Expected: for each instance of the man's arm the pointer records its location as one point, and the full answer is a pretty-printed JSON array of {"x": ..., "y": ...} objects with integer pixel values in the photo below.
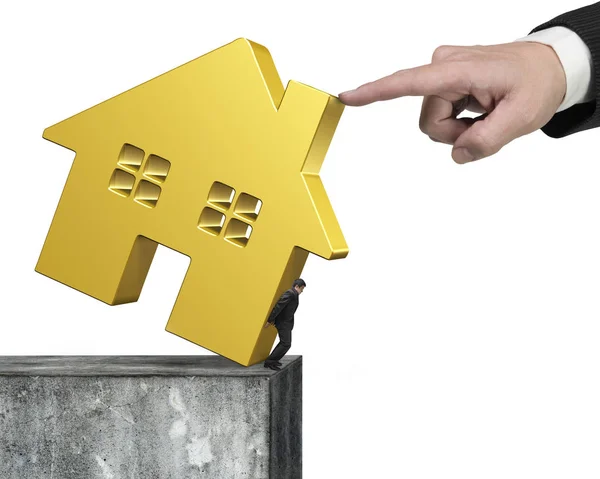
[
  {"x": 517, "y": 87},
  {"x": 585, "y": 22},
  {"x": 285, "y": 299}
]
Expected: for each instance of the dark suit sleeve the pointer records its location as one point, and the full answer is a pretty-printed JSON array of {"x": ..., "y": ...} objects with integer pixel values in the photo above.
[
  {"x": 585, "y": 22},
  {"x": 285, "y": 299}
]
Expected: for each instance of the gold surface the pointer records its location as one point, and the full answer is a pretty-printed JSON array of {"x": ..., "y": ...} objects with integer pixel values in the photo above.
[{"x": 213, "y": 159}]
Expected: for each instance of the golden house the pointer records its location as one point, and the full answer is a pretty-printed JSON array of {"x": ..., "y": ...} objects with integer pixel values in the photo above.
[{"x": 213, "y": 159}]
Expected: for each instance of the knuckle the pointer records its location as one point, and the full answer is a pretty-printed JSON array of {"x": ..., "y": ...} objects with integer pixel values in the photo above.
[
  {"x": 442, "y": 52},
  {"x": 425, "y": 126},
  {"x": 485, "y": 145}
]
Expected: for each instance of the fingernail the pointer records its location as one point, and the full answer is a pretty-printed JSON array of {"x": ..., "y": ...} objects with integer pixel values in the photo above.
[
  {"x": 462, "y": 155},
  {"x": 344, "y": 92}
]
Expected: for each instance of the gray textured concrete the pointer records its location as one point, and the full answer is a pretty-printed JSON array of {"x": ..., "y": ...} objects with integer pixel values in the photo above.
[{"x": 149, "y": 417}]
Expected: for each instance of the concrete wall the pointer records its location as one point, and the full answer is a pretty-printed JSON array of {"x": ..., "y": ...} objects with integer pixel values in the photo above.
[{"x": 149, "y": 417}]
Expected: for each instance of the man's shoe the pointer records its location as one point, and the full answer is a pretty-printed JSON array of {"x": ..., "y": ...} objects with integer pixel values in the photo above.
[
  {"x": 272, "y": 366},
  {"x": 279, "y": 363}
]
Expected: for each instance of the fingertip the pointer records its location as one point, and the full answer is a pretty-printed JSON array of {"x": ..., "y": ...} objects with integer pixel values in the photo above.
[
  {"x": 462, "y": 156},
  {"x": 346, "y": 97}
]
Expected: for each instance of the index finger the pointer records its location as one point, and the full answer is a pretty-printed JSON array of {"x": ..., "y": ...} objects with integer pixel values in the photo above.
[{"x": 424, "y": 80}]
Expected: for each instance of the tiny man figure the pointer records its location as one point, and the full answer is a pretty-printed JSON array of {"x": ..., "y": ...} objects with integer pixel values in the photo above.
[{"x": 282, "y": 317}]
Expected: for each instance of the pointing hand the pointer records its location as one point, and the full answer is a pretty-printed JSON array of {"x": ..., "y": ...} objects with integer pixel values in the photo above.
[{"x": 516, "y": 86}]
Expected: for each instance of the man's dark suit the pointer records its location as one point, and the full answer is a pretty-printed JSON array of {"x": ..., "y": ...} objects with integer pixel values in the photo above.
[
  {"x": 585, "y": 22},
  {"x": 283, "y": 318}
]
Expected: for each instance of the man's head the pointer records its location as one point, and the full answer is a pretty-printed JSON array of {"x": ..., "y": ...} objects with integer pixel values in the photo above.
[{"x": 299, "y": 285}]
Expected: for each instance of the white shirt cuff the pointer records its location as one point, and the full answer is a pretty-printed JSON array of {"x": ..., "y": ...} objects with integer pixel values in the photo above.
[{"x": 576, "y": 60}]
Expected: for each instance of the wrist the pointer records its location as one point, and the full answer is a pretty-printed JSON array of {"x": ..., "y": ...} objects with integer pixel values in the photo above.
[
  {"x": 543, "y": 58},
  {"x": 555, "y": 65},
  {"x": 576, "y": 61}
]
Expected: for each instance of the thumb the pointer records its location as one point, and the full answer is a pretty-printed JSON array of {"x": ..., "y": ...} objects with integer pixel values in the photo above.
[{"x": 487, "y": 136}]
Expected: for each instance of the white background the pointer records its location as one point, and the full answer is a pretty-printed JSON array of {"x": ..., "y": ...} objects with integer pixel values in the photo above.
[{"x": 459, "y": 338}]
